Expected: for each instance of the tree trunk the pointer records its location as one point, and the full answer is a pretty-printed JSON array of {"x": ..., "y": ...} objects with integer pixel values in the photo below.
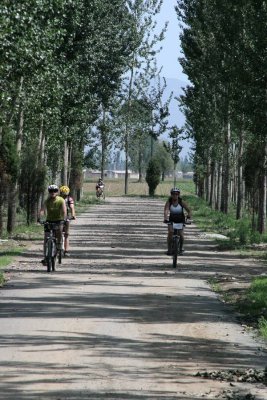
[
  {"x": 225, "y": 171},
  {"x": 211, "y": 196},
  {"x": 65, "y": 169},
  {"x": 240, "y": 186},
  {"x": 262, "y": 196},
  {"x": 126, "y": 136},
  {"x": 13, "y": 189},
  {"x": 219, "y": 186},
  {"x": 103, "y": 144},
  {"x": 140, "y": 162}
]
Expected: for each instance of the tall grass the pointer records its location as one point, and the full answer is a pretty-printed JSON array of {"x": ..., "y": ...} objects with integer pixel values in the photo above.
[
  {"x": 254, "y": 304},
  {"x": 6, "y": 257},
  {"x": 115, "y": 187}
]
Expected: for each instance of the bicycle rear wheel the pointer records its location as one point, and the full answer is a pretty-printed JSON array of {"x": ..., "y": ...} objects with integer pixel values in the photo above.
[{"x": 175, "y": 251}]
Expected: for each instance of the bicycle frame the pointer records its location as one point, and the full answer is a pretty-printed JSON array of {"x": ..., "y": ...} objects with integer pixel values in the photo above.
[
  {"x": 100, "y": 192},
  {"x": 176, "y": 241},
  {"x": 52, "y": 249}
]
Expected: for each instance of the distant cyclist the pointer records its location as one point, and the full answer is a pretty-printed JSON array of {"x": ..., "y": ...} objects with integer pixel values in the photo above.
[
  {"x": 99, "y": 187},
  {"x": 174, "y": 212},
  {"x": 54, "y": 209},
  {"x": 65, "y": 193}
]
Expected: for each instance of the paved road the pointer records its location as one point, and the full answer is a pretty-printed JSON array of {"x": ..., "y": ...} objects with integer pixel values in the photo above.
[{"x": 116, "y": 321}]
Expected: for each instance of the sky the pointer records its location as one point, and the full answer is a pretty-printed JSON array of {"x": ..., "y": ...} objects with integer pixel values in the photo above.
[
  {"x": 168, "y": 57},
  {"x": 171, "y": 69}
]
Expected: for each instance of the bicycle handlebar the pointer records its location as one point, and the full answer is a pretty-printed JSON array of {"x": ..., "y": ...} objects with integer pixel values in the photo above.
[
  {"x": 186, "y": 222},
  {"x": 63, "y": 222}
]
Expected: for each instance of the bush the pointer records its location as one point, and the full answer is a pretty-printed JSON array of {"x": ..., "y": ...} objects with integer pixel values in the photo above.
[{"x": 153, "y": 176}]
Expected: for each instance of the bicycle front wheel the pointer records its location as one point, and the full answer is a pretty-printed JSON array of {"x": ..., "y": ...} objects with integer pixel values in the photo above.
[
  {"x": 49, "y": 255},
  {"x": 54, "y": 256},
  {"x": 59, "y": 252},
  {"x": 175, "y": 251}
]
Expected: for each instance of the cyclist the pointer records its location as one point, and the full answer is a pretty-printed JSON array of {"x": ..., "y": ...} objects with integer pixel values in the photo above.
[
  {"x": 54, "y": 209},
  {"x": 174, "y": 212},
  {"x": 99, "y": 187},
  {"x": 65, "y": 193}
]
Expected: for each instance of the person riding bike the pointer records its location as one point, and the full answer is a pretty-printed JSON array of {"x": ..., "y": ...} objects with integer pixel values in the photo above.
[
  {"x": 174, "y": 212},
  {"x": 54, "y": 209},
  {"x": 65, "y": 193},
  {"x": 99, "y": 187}
]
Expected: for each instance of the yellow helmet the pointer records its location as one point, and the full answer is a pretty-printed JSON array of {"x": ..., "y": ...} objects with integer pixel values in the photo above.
[{"x": 64, "y": 190}]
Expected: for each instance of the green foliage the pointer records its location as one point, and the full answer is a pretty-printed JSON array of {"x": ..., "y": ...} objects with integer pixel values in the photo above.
[
  {"x": 263, "y": 327},
  {"x": 185, "y": 165},
  {"x": 153, "y": 176},
  {"x": 6, "y": 256},
  {"x": 9, "y": 157},
  {"x": 257, "y": 294},
  {"x": 92, "y": 158},
  {"x": 225, "y": 102},
  {"x": 254, "y": 304},
  {"x": 164, "y": 159}
]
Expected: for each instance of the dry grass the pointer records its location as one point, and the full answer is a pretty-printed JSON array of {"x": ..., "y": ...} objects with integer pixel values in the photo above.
[{"x": 115, "y": 187}]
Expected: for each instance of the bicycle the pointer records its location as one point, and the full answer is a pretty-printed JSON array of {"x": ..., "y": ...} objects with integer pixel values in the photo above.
[
  {"x": 100, "y": 194},
  {"x": 53, "y": 249},
  {"x": 176, "y": 239}
]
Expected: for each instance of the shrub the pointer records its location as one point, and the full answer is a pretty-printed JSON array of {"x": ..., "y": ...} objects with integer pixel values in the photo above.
[{"x": 153, "y": 176}]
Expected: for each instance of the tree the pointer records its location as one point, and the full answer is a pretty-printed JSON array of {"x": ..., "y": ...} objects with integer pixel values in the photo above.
[
  {"x": 153, "y": 176},
  {"x": 174, "y": 148},
  {"x": 141, "y": 63},
  {"x": 164, "y": 159}
]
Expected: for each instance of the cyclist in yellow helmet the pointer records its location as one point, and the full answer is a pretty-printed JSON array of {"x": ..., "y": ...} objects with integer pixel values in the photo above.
[
  {"x": 54, "y": 209},
  {"x": 65, "y": 193}
]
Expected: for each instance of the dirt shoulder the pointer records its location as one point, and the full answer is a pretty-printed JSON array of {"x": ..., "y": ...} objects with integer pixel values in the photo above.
[{"x": 116, "y": 321}]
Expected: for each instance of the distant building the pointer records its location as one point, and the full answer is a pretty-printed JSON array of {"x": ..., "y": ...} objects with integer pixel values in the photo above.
[
  {"x": 112, "y": 174},
  {"x": 179, "y": 174},
  {"x": 188, "y": 175},
  {"x": 116, "y": 173}
]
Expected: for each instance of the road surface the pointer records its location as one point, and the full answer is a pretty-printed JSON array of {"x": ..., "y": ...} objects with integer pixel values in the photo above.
[{"x": 116, "y": 321}]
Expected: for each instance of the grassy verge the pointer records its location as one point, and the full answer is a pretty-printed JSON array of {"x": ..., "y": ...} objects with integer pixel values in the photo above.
[
  {"x": 254, "y": 304},
  {"x": 251, "y": 303},
  {"x": 6, "y": 256}
]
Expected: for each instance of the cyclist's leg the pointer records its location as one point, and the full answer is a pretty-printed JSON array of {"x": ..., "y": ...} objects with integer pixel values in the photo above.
[
  {"x": 169, "y": 239},
  {"x": 66, "y": 236},
  {"x": 181, "y": 234},
  {"x": 59, "y": 235}
]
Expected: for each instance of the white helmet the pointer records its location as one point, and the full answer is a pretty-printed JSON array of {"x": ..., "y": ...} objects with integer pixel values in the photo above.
[
  {"x": 175, "y": 190},
  {"x": 52, "y": 188}
]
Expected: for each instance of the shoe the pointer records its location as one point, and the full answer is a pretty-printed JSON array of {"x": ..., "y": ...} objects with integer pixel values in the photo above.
[
  {"x": 169, "y": 253},
  {"x": 66, "y": 254},
  {"x": 44, "y": 261},
  {"x": 181, "y": 252}
]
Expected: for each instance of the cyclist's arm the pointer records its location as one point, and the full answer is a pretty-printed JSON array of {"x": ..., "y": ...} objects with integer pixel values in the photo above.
[
  {"x": 72, "y": 209},
  {"x": 64, "y": 209},
  {"x": 166, "y": 210},
  {"x": 42, "y": 212},
  {"x": 188, "y": 210}
]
